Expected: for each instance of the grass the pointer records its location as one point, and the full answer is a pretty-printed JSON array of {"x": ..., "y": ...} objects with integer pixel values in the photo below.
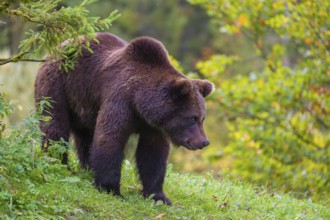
[
  {"x": 34, "y": 185},
  {"x": 72, "y": 196}
]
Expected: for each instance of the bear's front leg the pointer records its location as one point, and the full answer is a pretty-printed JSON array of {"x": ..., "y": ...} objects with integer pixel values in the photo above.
[
  {"x": 151, "y": 156},
  {"x": 106, "y": 164},
  {"x": 107, "y": 151}
]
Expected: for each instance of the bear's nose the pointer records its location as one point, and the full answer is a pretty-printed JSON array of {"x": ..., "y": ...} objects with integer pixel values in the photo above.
[{"x": 205, "y": 143}]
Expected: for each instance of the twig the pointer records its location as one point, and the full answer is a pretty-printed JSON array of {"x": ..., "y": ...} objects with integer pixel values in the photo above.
[
  {"x": 12, "y": 60},
  {"x": 29, "y": 19}
]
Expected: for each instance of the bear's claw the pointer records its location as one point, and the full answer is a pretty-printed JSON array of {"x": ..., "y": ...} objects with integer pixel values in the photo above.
[{"x": 160, "y": 197}]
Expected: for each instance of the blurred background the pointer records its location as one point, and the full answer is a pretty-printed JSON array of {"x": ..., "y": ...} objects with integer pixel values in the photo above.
[{"x": 268, "y": 121}]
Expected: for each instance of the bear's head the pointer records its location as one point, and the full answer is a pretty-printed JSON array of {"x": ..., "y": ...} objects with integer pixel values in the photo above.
[
  {"x": 186, "y": 113},
  {"x": 166, "y": 99},
  {"x": 177, "y": 108}
]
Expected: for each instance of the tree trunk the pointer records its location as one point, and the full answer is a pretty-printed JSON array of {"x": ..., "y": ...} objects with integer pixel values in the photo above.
[{"x": 15, "y": 32}]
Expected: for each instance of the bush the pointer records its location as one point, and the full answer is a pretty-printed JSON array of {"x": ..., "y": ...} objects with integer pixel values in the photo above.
[{"x": 22, "y": 164}]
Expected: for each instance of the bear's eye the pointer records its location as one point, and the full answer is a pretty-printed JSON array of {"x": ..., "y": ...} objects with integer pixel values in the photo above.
[{"x": 194, "y": 119}]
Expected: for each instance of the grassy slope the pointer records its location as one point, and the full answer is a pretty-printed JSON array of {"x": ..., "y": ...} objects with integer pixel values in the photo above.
[{"x": 54, "y": 192}]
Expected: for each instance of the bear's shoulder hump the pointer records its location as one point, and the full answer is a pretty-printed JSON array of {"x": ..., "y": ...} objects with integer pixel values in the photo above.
[{"x": 147, "y": 50}]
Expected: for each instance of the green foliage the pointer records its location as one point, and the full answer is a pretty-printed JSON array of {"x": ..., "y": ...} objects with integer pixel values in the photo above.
[
  {"x": 278, "y": 116},
  {"x": 54, "y": 25},
  {"x": 5, "y": 109},
  {"x": 215, "y": 66},
  {"x": 34, "y": 185}
]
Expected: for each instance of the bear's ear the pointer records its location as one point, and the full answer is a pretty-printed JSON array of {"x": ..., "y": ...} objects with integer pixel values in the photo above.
[
  {"x": 204, "y": 86},
  {"x": 179, "y": 88},
  {"x": 147, "y": 50}
]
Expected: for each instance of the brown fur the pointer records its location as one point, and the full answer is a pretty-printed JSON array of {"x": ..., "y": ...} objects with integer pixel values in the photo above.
[{"x": 120, "y": 89}]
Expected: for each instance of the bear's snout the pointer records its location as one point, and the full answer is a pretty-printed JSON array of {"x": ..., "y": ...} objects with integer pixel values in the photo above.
[
  {"x": 203, "y": 144},
  {"x": 206, "y": 143},
  {"x": 196, "y": 145}
]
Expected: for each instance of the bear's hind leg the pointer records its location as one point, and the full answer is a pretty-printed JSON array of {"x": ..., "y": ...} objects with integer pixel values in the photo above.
[
  {"x": 49, "y": 84},
  {"x": 151, "y": 157},
  {"x": 83, "y": 139},
  {"x": 59, "y": 125},
  {"x": 55, "y": 129}
]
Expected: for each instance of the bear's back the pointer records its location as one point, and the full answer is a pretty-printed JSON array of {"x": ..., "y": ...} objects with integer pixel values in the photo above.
[
  {"x": 106, "y": 42},
  {"x": 109, "y": 41}
]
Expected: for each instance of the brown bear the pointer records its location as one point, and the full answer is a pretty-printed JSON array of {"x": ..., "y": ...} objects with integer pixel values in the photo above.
[{"x": 120, "y": 89}]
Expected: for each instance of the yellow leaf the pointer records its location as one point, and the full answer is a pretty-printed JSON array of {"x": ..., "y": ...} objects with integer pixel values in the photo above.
[
  {"x": 246, "y": 137},
  {"x": 275, "y": 5},
  {"x": 252, "y": 144},
  {"x": 308, "y": 41},
  {"x": 242, "y": 21},
  {"x": 160, "y": 216},
  {"x": 276, "y": 105},
  {"x": 237, "y": 134},
  {"x": 47, "y": 118}
]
